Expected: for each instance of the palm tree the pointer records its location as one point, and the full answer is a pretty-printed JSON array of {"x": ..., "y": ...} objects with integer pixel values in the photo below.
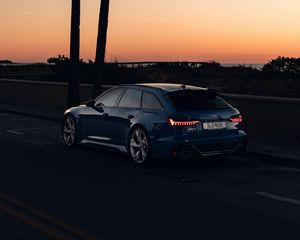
[
  {"x": 73, "y": 87},
  {"x": 101, "y": 47}
]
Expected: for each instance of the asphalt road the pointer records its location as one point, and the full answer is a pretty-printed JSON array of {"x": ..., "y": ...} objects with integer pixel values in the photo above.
[{"x": 48, "y": 191}]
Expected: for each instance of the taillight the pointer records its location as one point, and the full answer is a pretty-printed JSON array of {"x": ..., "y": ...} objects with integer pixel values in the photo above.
[
  {"x": 236, "y": 119},
  {"x": 182, "y": 123}
]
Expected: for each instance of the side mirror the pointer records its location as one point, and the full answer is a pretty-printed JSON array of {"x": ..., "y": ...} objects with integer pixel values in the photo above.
[{"x": 90, "y": 103}]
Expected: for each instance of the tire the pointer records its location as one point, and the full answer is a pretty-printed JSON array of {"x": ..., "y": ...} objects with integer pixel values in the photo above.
[
  {"x": 70, "y": 131},
  {"x": 139, "y": 147}
]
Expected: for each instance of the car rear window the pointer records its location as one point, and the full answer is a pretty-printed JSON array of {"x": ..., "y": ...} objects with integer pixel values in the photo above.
[
  {"x": 150, "y": 102},
  {"x": 189, "y": 100},
  {"x": 131, "y": 99}
]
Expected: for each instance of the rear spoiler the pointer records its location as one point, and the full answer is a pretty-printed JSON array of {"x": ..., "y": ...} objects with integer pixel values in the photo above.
[{"x": 211, "y": 91}]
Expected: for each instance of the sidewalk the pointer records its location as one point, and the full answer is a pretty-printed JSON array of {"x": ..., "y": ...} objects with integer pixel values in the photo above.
[{"x": 283, "y": 153}]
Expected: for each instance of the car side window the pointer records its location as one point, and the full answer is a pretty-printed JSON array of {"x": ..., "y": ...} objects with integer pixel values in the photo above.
[
  {"x": 110, "y": 98},
  {"x": 131, "y": 98},
  {"x": 151, "y": 102}
]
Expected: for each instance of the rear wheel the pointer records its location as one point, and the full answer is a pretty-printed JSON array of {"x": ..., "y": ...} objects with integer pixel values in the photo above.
[
  {"x": 139, "y": 146},
  {"x": 69, "y": 131}
]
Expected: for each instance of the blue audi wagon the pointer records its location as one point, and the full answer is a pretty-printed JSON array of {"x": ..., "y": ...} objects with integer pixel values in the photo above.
[{"x": 157, "y": 120}]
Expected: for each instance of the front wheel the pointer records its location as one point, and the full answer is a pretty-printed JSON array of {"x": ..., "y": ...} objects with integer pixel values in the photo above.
[
  {"x": 69, "y": 131},
  {"x": 139, "y": 146}
]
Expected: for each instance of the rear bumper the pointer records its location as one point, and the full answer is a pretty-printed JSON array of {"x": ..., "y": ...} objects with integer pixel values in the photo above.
[
  {"x": 201, "y": 147},
  {"x": 192, "y": 150}
]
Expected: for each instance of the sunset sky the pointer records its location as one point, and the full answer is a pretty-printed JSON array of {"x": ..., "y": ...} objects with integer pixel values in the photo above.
[{"x": 228, "y": 31}]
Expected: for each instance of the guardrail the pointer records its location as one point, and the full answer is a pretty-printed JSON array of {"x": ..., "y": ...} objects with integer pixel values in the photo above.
[{"x": 273, "y": 118}]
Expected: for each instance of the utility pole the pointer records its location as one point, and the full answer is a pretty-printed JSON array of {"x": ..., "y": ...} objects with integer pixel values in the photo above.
[
  {"x": 73, "y": 87},
  {"x": 101, "y": 47}
]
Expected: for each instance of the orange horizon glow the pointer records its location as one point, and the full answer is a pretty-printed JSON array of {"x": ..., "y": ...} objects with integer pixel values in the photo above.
[{"x": 231, "y": 31}]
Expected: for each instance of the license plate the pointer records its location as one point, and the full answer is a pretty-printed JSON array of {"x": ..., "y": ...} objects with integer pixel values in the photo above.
[{"x": 214, "y": 125}]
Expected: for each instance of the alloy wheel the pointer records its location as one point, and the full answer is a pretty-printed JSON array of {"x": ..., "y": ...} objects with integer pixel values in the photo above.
[
  {"x": 139, "y": 146},
  {"x": 69, "y": 131}
]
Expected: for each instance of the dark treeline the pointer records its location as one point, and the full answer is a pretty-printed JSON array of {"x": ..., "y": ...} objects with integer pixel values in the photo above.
[{"x": 279, "y": 77}]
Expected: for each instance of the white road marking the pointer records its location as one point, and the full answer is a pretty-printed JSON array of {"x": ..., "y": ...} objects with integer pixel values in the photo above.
[
  {"x": 15, "y": 119},
  {"x": 276, "y": 169},
  {"x": 15, "y": 132},
  {"x": 279, "y": 198},
  {"x": 18, "y": 131},
  {"x": 36, "y": 128},
  {"x": 38, "y": 142}
]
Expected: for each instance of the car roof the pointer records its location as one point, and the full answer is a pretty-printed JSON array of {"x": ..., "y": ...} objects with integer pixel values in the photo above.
[{"x": 165, "y": 87}]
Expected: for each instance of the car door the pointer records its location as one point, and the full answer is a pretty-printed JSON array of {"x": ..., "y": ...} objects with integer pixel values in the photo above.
[
  {"x": 124, "y": 115},
  {"x": 96, "y": 122}
]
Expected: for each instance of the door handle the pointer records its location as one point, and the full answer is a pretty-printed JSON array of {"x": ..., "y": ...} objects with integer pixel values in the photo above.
[
  {"x": 130, "y": 117},
  {"x": 105, "y": 114}
]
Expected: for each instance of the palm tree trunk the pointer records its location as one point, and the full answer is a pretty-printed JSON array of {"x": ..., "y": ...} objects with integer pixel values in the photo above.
[
  {"x": 73, "y": 87},
  {"x": 101, "y": 47}
]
